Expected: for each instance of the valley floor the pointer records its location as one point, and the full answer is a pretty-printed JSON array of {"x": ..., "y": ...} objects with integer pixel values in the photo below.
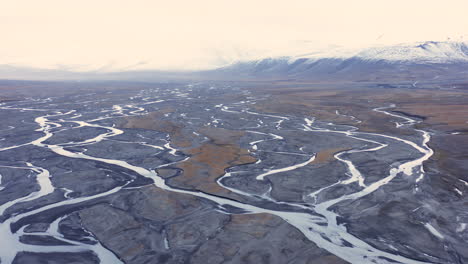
[{"x": 233, "y": 172}]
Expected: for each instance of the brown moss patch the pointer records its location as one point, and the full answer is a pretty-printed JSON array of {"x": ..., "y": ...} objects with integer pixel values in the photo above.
[
  {"x": 155, "y": 121},
  {"x": 262, "y": 223},
  {"x": 326, "y": 155},
  {"x": 262, "y": 218},
  {"x": 209, "y": 161}
]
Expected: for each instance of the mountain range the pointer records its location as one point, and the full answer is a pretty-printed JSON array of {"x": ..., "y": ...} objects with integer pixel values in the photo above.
[{"x": 428, "y": 61}]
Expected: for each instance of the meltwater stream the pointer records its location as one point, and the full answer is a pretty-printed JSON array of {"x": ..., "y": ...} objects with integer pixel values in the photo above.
[{"x": 317, "y": 221}]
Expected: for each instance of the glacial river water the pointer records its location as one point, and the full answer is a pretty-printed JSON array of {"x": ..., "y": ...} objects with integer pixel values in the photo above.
[{"x": 316, "y": 220}]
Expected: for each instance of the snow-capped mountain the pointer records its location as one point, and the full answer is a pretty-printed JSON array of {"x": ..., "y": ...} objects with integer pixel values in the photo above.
[
  {"x": 428, "y": 52},
  {"x": 420, "y": 60},
  {"x": 409, "y": 62}
]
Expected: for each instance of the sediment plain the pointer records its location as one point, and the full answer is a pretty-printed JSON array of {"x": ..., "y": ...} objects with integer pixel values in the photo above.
[{"x": 233, "y": 172}]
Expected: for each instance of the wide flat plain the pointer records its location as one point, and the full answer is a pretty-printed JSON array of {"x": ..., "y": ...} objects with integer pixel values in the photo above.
[{"x": 233, "y": 172}]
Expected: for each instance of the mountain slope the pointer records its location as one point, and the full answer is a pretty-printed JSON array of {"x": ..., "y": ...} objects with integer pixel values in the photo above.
[
  {"x": 428, "y": 52},
  {"x": 429, "y": 60}
]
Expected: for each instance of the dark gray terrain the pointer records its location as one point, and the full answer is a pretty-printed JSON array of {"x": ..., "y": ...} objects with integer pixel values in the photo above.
[{"x": 199, "y": 173}]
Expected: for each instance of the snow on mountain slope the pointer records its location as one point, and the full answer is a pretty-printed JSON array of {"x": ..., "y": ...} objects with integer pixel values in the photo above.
[
  {"x": 420, "y": 60},
  {"x": 426, "y": 60},
  {"x": 428, "y": 52},
  {"x": 425, "y": 52},
  {"x": 419, "y": 53}
]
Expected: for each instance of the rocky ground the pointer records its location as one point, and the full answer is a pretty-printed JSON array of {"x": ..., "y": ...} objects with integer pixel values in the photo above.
[{"x": 271, "y": 172}]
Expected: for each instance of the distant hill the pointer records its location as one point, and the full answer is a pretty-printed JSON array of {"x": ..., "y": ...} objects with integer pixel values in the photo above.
[
  {"x": 422, "y": 61},
  {"x": 419, "y": 62}
]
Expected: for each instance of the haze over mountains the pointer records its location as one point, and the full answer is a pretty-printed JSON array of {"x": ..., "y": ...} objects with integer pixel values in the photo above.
[{"x": 427, "y": 61}]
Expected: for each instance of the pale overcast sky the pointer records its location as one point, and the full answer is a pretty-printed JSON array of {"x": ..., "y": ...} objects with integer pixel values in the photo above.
[{"x": 144, "y": 34}]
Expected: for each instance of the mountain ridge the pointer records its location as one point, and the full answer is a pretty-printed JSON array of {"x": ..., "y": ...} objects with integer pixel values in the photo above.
[
  {"x": 416, "y": 61},
  {"x": 424, "y": 60}
]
